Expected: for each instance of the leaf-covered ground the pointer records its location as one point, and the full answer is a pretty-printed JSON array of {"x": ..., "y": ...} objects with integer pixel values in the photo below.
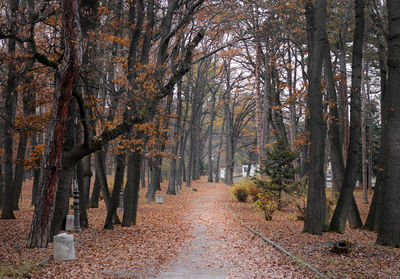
[
  {"x": 192, "y": 235},
  {"x": 367, "y": 260}
]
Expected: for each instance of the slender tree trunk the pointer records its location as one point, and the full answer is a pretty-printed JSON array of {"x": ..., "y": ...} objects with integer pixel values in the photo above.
[
  {"x": 292, "y": 105},
  {"x": 375, "y": 212},
  {"x": 338, "y": 169},
  {"x": 333, "y": 131},
  {"x": 260, "y": 137},
  {"x": 102, "y": 175},
  {"x": 36, "y": 174},
  {"x": 346, "y": 193},
  {"x": 210, "y": 137},
  {"x": 389, "y": 229},
  {"x": 143, "y": 173},
  {"x": 221, "y": 137},
  {"x": 172, "y": 173},
  {"x": 29, "y": 109},
  {"x": 364, "y": 161},
  {"x": 65, "y": 80},
  {"x": 84, "y": 222},
  {"x": 118, "y": 182}
]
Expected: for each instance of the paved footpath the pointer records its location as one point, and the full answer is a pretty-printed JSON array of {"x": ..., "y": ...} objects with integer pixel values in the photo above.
[{"x": 222, "y": 248}]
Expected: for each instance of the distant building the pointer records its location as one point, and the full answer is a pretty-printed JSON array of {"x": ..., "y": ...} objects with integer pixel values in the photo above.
[{"x": 253, "y": 170}]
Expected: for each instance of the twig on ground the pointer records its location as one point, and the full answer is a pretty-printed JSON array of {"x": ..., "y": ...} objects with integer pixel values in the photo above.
[{"x": 279, "y": 248}]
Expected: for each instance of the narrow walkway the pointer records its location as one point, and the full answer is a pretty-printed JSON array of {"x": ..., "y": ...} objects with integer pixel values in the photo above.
[
  {"x": 195, "y": 261},
  {"x": 222, "y": 248}
]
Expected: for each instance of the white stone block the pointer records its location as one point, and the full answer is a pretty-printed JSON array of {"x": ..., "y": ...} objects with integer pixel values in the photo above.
[
  {"x": 69, "y": 224},
  {"x": 159, "y": 199},
  {"x": 64, "y": 249}
]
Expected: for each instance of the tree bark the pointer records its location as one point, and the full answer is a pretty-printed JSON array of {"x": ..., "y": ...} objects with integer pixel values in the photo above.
[
  {"x": 338, "y": 169},
  {"x": 118, "y": 182},
  {"x": 364, "y": 161},
  {"x": 389, "y": 229},
  {"x": 210, "y": 135},
  {"x": 316, "y": 199},
  {"x": 65, "y": 80},
  {"x": 375, "y": 211},
  {"x": 342, "y": 209},
  {"x": 10, "y": 107},
  {"x": 132, "y": 187},
  {"x": 172, "y": 173},
  {"x": 66, "y": 176}
]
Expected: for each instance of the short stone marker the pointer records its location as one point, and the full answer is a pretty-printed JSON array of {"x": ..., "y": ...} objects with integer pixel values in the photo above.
[
  {"x": 159, "y": 199},
  {"x": 69, "y": 224},
  {"x": 64, "y": 249}
]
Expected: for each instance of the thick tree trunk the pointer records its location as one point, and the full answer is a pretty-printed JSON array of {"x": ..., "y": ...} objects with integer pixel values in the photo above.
[
  {"x": 316, "y": 199},
  {"x": 346, "y": 193},
  {"x": 66, "y": 177},
  {"x": 10, "y": 95},
  {"x": 131, "y": 194},
  {"x": 65, "y": 80},
  {"x": 389, "y": 229}
]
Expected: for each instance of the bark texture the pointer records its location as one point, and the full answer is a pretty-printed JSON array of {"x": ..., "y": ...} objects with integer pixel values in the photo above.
[
  {"x": 353, "y": 157},
  {"x": 65, "y": 80},
  {"x": 316, "y": 201},
  {"x": 389, "y": 229}
]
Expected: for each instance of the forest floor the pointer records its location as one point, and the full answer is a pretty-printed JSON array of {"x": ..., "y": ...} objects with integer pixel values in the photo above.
[{"x": 194, "y": 235}]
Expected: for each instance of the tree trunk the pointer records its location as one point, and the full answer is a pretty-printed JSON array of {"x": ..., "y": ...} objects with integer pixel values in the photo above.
[
  {"x": 65, "y": 80},
  {"x": 389, "y": 229},
  {"x": 210, "y": 136},
  {"x": 36, "y": 174},
  {"x": 118, "y": 182},
  {"x": 260, "y": 137},
  {"x": 373, "y": 219},
  {"x": 66, "y": 177},
  {"x": 131, "y": 194},
  {"x": 221, "y": 137},
  {"x": 172, "y": 173},
  {"x": 19, "y": 169},
  {"x": 333, "y": 131},
  {"x": 29, "y": 109},
  {"x": 346, "y": 193},
  {"x": 84, "y": 222},
  {"x": 316, "y": 200},
  {"x": 364, "y": 161},
  {"x": 10, "y": 96}
]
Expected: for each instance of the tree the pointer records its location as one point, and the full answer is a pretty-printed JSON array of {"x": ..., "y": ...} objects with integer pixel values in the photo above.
[
  {"x": 278, "y": 168},
  {"x": 389, "y": 229},
  {"x": 353, "y": 158},
  {"x": 316, "y": 199},
  {"x": 65, "y": 80}
]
